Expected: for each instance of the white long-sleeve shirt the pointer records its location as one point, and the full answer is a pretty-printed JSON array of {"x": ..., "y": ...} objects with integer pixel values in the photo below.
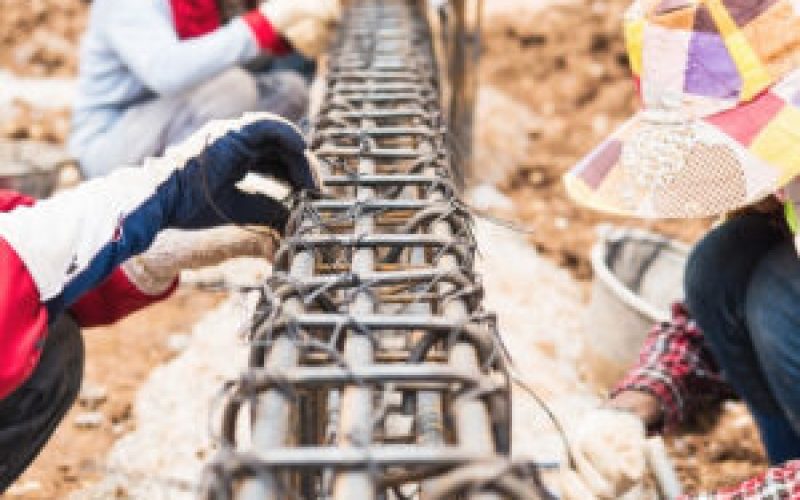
[{"x": 133, "y": 52}]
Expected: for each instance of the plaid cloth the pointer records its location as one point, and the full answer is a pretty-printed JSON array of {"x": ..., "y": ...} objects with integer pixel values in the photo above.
[
  {"x": 777, "y": 483},
  {"x": 677, "y": 368}
]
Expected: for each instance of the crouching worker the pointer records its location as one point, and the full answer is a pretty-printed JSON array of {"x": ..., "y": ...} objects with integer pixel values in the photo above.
[
  {"x": 154, "y": 71},
  {"x": 720, "y": 130},
  {"x": 99, "y": 252}
]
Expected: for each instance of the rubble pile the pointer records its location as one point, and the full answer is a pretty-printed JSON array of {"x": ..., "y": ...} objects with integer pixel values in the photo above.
[
  {"x": 23, "y": 121},
  {"x": 40, "y": 37}
]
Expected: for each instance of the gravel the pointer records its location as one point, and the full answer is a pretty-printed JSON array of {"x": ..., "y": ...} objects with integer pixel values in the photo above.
[
  {"x": 52, "y": 93},
  {"x": 536, "y": 303},
  {"x": 163, "y": 457}
]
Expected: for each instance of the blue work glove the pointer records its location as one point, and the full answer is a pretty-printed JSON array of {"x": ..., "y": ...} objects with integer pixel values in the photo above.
[{"x": 273, "y": 147}]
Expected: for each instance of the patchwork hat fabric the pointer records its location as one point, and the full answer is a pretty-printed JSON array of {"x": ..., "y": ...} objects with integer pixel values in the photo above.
[{"x": 720, "y": 125}]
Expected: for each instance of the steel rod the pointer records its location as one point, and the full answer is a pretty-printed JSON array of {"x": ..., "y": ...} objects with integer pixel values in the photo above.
[{"x": 373, "y": 368}]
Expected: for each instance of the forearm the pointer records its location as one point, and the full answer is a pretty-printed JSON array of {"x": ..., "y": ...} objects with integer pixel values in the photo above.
[
  {"x": 117, "y": 297},
  {"x": 72, "y": 242},
  {"x": 643, "y": 404},
  {"x": 674, "y": 373}
]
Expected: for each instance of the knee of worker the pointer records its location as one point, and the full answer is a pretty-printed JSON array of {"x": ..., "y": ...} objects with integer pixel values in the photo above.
[
  {"x": 60, "y": 368},
  {"x": 54, "y": 384},
  {"x": 228, "y": 95},
  {"x": 720, "y": 266},
  {"x": 773, "y": 320},
  {"x": 704, "y": 278},
  {"x": 284, "y": 93},
  {"x": 771, "y": 310}
]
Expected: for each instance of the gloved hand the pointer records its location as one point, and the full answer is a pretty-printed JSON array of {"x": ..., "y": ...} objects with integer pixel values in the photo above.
[
  {"x": 610, "y": 454},
  {"x": 259, "y": 142},
  {"x": 154, "y": 271},
  {"x": 306, "y": 24},
  {"x": 73, "y": 241}
]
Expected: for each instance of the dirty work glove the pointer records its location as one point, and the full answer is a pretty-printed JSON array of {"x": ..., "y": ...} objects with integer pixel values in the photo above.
[
  {"x": 155, "y": 271},
  {"x": 73, "y": 241},
  {"x": 213, "y": 159},
  {"x": 610, "y": 454},
  {"x": 308, "y": 25}
]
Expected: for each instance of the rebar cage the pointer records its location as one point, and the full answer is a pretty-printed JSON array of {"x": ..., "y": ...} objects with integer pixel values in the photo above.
[{"x": 374, "y": 370}]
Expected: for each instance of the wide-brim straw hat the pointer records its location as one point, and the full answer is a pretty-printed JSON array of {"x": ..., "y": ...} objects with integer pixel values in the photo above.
[{"x": 720, "y": 125}]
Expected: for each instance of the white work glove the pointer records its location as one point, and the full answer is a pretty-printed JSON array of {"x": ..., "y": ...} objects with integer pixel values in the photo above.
[
  {"x": 307, "y": 25},
  {"x": 609, "y": 449},
  {"x": 174, "y": 250}
]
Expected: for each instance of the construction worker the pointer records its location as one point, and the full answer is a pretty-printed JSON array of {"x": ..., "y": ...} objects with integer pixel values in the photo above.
[
  {"x": 89, "y": 256},
  {"x": 720, "y": 86},
  {"x": 152, "y": 72}
]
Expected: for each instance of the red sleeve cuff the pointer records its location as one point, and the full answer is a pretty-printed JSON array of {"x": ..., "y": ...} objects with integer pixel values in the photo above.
[
  {"x": 116, "y": 298},
  {"x": 9, "y": 200},
  {"x": 268, "y": 38}
]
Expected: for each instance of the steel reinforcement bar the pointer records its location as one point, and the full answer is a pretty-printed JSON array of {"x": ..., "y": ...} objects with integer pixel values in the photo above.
[{"x": 374, "y": 371}]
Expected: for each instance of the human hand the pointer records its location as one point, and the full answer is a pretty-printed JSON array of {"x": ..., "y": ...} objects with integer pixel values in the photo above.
[
  {"x": 609, "y": 450},
  {"x": 214, "y": 159},
  {"x": 307, "y": 25}
]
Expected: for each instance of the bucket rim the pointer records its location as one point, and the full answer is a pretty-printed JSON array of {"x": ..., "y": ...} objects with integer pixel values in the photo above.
[{"x": 608, "y": 234}]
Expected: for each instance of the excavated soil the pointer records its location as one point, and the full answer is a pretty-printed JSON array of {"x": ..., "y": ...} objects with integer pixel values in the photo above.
[
  {"x": 118, "y": 360},
  {"x": 40, "y": 37}
]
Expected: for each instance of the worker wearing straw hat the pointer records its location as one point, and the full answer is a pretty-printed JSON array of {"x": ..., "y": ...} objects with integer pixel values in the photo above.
[{"x": 719, "y": 131}]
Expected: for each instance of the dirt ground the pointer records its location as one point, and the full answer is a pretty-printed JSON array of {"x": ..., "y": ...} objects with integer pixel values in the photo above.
[
  {"x": 39, "y": 38},
  {"x": 566, "y": 65},
  {"x": 118, "y": 360}
]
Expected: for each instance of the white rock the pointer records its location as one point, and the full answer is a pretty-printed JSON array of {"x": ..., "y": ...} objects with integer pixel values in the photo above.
[
  {"x": 92, "y": 396},
  {"x": 89, "y": 420},
  {"x": 23, "y": 489},
  {"x": 501, "y": 136},
  {"x": 172, "y": 410},
  {"x": 41, "y": 92},
  {"x": 178, "y": 342},
  {"x": 488, "y": 197}
]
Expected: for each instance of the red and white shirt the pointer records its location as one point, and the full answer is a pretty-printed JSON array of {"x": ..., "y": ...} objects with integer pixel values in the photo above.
[{"x": 24, "y": 315}]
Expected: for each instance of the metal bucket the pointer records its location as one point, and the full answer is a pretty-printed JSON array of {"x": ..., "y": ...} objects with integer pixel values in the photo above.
[
  {"x": 637, "y": 276},
  {"x": 30, "y": 167}
]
